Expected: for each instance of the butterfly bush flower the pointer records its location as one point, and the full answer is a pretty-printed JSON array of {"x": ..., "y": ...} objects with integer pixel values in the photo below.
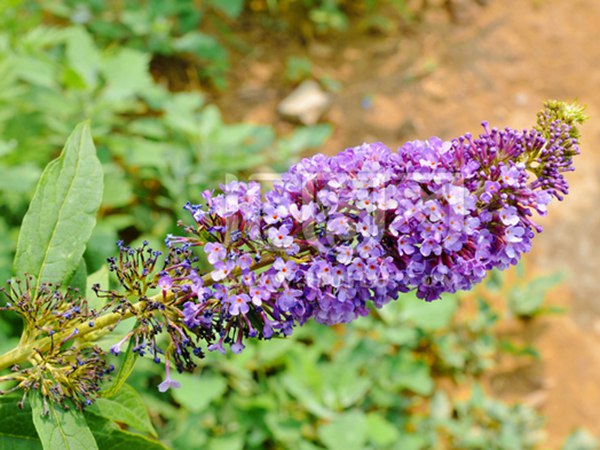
[{"x": 337, "y": 234}]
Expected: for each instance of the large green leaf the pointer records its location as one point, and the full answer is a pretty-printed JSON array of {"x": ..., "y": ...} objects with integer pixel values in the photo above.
[
  {"x": 16, "y": 427},
  {"x": 126, "y": 407},
  {"x": 61, "y": 429},
  {"x": 62, "y": 214}
]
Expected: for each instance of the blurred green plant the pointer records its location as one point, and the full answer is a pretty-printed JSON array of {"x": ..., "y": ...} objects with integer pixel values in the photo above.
[
  {"x": 581, "y": 440},
  {"x": 165, "y": 28},
  {"x": 297, "y": 69},
  {"x": 194, "y": 39},
  {"x": 310, "y": 18},
  {"x": 526, "y": 298}
]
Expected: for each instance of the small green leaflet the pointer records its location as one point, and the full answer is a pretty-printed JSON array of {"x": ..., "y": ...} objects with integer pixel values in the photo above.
[
  {"x": 60, "y": 429},
  {"x": 62, "y": 214}
]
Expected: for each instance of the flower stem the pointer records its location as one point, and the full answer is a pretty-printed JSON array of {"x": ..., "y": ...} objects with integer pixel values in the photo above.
[{"x": 25, "y": 351}]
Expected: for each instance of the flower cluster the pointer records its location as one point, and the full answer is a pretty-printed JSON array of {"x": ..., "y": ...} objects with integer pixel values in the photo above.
[
  {"x": 71, "y": 376},
  {"x": 336, "y": 234},
  {"x": 66, "y": 371},
  {"x": 46, "y": 308},
  {"x": 137, "y": 272}
]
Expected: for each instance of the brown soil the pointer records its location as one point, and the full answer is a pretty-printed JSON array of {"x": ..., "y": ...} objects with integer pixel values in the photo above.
[{"x": 497, "y": 62}]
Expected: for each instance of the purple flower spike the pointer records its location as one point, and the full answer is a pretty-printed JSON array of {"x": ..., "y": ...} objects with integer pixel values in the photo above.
[{"x": 337, "y": 234}]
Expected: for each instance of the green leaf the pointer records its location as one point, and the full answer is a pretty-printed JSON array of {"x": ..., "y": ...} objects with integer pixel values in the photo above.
[
  {"x": 79, "y": 278},
  {"x": 441, "y": 408},
  {"x": 62, "y": 214},
  {"x": 204, "y": 46},
  {"x": 180, "y": 112},
  {"x": 343, "y": 386},
  {"x": 413, "y": 375},
  {"x": 380, "y": 431},
  {"x": 495, "y": 280},
  {"x": 103, "y": 239},
  {"x": 298, "y": 68},
  {"x": 528, "y": 300},
  {"x": 345, "y": 432},
  {"x": 429, "y": 316},
  {"x": 411, "y": 442},
  {"x": 127, "y": 362},
  {"x": 303, "y": 138},
  {"x": 187, "y": 433},
  {"x": 19, "y": 179},
  {"x": 126, "y": 73},
  {"x": 60, "y": 429},
  {"x": 126, "y": 407},
  {"x": 36, "y": 71},
  {"x": 105, "y": 340},
  {"x": 6, "y": 253},
  {"x": 139, "y": 151},
  {"x": 283, "y": 427},
  {"x": 118, "y": 191},
  {"x": 108, "y": 435},
  {"x": 233, "y": 441},
  {"x": 197, "y": 391},
  {"x": 305, "y": 395},
  {"x": 83, "y": 56},
  {"x": 17, "y": 431},
  {"x": 99, "y": 277}
]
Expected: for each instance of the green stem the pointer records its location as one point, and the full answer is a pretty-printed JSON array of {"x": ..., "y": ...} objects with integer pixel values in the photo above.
[{"x": 23, "y": 352}]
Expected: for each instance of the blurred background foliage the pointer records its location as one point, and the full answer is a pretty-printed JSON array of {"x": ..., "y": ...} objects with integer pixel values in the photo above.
[{"x": 412, "y": 376}]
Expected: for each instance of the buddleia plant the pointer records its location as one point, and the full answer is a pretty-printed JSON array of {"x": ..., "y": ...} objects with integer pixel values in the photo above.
[{"x": 334, "y": 237}]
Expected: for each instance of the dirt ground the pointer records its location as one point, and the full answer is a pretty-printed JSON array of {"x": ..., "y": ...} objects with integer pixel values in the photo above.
[{"x": 497, "y": 61}]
